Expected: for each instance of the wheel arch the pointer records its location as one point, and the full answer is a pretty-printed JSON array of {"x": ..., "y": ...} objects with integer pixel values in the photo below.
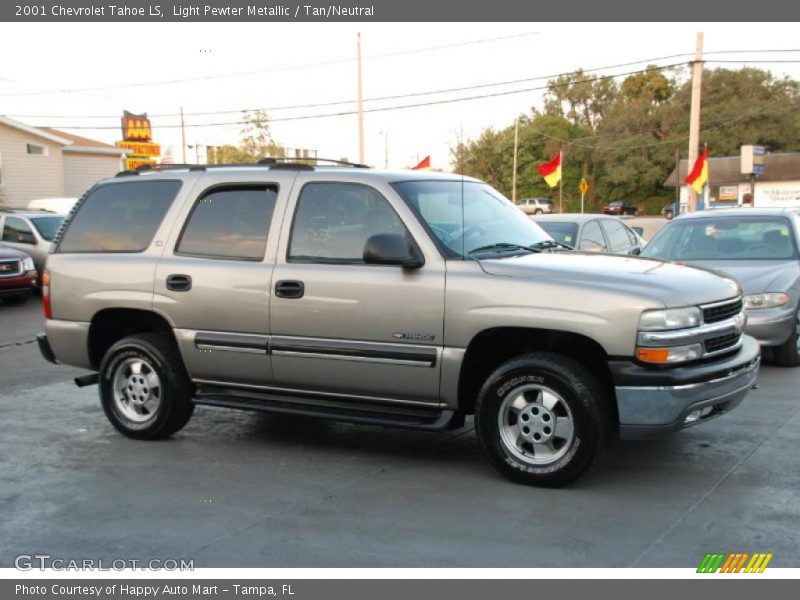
[
  {"x": 110, "y": 325},
  {"x": 489, "y": 348}
]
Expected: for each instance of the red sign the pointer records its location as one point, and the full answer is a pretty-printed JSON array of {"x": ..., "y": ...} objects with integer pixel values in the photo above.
[{"x": 136, "y": 128}]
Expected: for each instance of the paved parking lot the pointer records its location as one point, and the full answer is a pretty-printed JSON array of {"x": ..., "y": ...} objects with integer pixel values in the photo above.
[{"x": 252, "y": 490}]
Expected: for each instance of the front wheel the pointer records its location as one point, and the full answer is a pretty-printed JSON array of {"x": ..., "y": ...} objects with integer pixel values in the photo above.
[
  {"x": 788, "y": 354},
  {"x": 542, "y": 419},
  {"x": 144, "y": 389}
]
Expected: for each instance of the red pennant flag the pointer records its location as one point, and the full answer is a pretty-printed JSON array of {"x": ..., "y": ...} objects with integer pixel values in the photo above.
[{"x": 424, "y": 164}]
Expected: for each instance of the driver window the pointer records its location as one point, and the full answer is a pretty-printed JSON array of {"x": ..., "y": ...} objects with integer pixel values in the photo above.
[{"x": 333, "y": 221}]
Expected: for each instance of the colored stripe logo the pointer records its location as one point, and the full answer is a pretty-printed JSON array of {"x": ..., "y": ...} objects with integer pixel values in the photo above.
[{"x": 734, "y": 562}]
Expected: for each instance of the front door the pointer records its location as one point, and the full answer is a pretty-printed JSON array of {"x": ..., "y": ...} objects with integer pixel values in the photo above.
[{"x": 343, "y": 327}]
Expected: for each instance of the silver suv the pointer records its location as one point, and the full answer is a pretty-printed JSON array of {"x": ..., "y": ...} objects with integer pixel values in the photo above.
[
  {"x": 397, "y": 298},
  {"x": 537, "y": 206}
]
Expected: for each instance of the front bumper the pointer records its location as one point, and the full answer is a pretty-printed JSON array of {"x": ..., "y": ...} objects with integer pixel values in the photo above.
[
  {"x": 651, "y": 402},
  {"x": 24, "y": 282},
  {"x": 771, "y": 326}
]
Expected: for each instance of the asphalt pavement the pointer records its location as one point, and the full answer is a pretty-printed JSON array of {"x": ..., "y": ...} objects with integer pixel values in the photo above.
[{"x": 237, "y": 489}]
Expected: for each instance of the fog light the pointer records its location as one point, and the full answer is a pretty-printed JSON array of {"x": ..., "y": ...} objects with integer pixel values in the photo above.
[{"x": 692, "y": 416}]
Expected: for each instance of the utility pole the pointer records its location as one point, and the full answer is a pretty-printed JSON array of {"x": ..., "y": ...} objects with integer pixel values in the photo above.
[
  {"x": 694, "y": 115},
  {"x": 561, "y": 182},
  {"x": 360, "y": 105},
  {"x": 183, "y": 139},
  {"x": 514, "y": 173}
]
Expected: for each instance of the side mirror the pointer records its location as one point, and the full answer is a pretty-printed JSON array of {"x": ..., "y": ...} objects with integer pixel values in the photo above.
[
  {"x": 392, "y": 249},
  {"x": 636, "y": 251}
]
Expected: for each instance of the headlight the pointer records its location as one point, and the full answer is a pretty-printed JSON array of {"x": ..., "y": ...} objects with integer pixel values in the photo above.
[
  {"x": 768, "y": 300},
  {"x": 670, "y": 354},
  {"x": 670, "y": 318},
  {"x": 27, "y": 264}
]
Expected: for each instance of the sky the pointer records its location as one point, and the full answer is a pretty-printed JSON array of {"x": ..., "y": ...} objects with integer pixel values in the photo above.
[{"x": 47, "y": 68}]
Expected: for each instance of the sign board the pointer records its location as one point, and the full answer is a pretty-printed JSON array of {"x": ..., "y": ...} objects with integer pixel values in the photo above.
[
  {"x": 778, "y": 194},
  {"x": 137, "y": 161},
  {"x": 583, "y": 187},
  {"x": 752, "y": 160},
  {"x": 136, "y": 128},
  {"x": 141, "y": 148},
  {"x": 728, "y": 192}
]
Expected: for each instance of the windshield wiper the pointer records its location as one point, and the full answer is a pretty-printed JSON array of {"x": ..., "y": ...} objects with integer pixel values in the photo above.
[
  {"x": 537, "y": 247},
  {"x": 548, "y": 244},
  {"x": 503, "y": 246}
]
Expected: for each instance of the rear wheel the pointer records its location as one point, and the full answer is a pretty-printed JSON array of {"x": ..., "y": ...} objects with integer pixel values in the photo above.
[
  {"x": 788, "y": 354},
  {"x": 538, "y": 211},
  {"x": 542, "y": 419},
  {"x": 144, "y": 389},
  {"x": 17, "y": 299}
]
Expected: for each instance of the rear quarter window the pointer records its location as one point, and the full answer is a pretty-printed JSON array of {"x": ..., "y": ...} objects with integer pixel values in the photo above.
[{"x": 119, "y": 217}]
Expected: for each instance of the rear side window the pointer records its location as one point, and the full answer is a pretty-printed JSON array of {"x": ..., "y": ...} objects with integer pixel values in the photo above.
[
  {"x": 119, "y": 217},
  {"x": 230, "y": 223},
  {"x": 592, "y": 238}
]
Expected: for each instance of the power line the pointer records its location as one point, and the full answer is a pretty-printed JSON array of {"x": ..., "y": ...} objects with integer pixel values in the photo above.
[
  {"x": 271, "y": 69},
  {"x": 404, "y": 106},
  {"x": 399, "y": 96}
]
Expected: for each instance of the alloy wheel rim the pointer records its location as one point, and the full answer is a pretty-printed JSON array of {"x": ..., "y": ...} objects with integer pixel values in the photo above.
[
  {"x": 536, "y": 424},
  {"x": 136, "y": 389}
]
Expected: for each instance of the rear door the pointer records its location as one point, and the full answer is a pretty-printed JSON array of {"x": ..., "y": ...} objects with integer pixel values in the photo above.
[
  {"x": 214, "y": 277},
  {"x": 620, "y": 240}
]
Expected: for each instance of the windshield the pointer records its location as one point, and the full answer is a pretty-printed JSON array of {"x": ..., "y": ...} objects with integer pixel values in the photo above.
[
  {"x": 468, "y": 216},
  {"x": 47, "y": 226},
  {"x": 561, "y": 231},
  {"x": 724, "y": 238}
]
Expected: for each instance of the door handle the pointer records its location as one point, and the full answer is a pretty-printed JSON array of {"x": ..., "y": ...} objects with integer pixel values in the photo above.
[
  {"x": 179, "y": 283},
  {"x": 290, "y": 289}
]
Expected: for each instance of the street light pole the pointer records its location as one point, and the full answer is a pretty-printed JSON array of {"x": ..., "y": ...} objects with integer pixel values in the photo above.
[
  {"x": 694, "y": 115},
  {"x": 360, "y": 105}
]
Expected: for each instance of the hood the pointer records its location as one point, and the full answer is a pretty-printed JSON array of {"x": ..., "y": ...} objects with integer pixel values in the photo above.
[
  {"x": 662, "y": 282},
  {"x": 7, "y": 253},
  {"x": 756, "y": 276}
]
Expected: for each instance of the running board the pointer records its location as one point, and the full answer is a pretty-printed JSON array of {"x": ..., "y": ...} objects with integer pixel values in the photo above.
[{"x": 426, "y": 420}]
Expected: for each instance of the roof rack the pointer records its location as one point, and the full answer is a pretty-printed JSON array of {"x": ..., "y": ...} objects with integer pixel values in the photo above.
[{"x": 270, "y": 162}]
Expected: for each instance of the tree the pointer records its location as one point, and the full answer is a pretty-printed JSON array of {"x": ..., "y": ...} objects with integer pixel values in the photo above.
[{"x": 255, "y": 142}]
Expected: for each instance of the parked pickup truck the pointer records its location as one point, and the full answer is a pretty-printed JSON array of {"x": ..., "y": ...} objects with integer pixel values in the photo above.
[{"x": 397, "y": 298}]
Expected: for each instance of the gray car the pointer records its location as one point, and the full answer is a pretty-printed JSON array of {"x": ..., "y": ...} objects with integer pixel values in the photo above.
[
  {"x": 591, "y": 233},
  {"x": 759, "y": 248},
  {"x": 394, "y": 298},
  {"x": 30, "y": 231}
]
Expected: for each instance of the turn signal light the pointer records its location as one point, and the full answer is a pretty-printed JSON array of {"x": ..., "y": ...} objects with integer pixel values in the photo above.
[
  {"x": 48, "y": 309},
  {"x": 670, "y": 354},
  {"x": 652, "y": 355}
]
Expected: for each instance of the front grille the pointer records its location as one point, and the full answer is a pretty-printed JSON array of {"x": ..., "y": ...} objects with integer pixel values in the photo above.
[
  {"x": 720, "y": 312},
  {"x": 10, "y": 267},
  {"x": 718, "y": 344}
]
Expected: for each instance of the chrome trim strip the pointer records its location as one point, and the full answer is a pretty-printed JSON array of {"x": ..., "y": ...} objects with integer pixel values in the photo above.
[
  {"x": 693, "y": 334},
  {"x": 689, "y": 386},
  {"x": 313, "y": 393},
  {"x": 351, "y": 358},
  {"x": 722, "y": 303},
  {"x": 231, "y": 349}
]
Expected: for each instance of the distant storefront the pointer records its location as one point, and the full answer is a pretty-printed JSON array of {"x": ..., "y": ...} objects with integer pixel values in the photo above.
[
  {"x": 778, "y": 185},
  {"x": 40, "y": 162}
]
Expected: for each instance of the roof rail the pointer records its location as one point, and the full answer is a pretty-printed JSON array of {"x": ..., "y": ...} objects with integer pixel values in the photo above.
[{"x": 272, "y": 163}]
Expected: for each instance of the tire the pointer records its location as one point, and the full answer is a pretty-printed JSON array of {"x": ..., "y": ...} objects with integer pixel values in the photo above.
[
  {"x": 546, "y": 388},
  {"x": 635, "y": 212},
  {"x": 668, "y": 215},
  {"x": 538, "y": 211},
  {"x": 17, "y": 299},
  {"x": 788, "y": 353},
  {"x": 158, "y": 398}
]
